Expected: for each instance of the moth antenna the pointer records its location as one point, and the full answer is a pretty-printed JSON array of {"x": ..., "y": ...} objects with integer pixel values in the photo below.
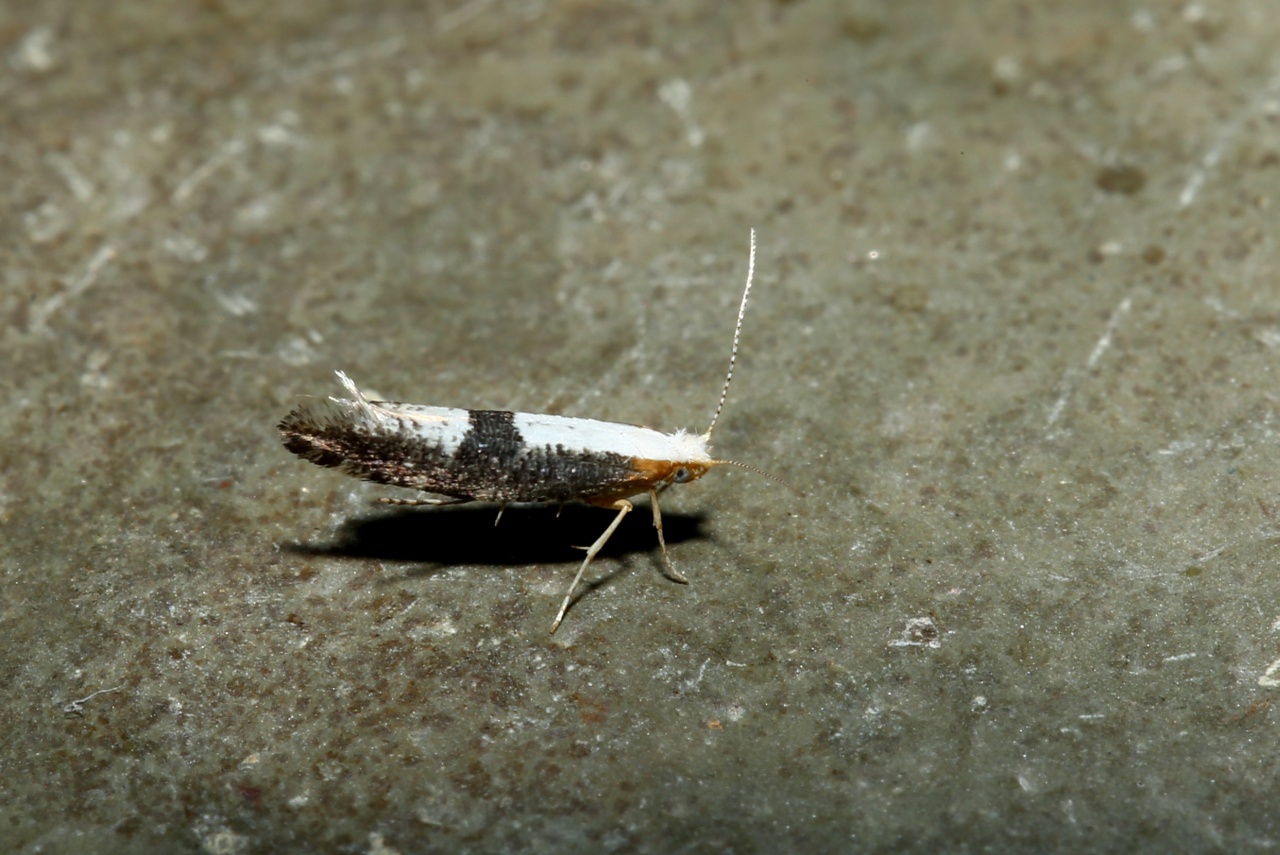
[
  {"x": 737, "y": 332},
  {"x": 769, "y": 475}
]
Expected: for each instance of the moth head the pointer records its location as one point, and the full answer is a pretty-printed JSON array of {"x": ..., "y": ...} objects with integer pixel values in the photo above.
[{"x": 683, "y": 473}]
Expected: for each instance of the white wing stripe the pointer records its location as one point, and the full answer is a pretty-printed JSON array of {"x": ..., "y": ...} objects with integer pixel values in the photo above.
[{"x": 605, "y": 437}]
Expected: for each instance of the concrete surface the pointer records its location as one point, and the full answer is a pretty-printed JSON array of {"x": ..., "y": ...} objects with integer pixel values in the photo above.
[{"x": 1015, "y": 334}]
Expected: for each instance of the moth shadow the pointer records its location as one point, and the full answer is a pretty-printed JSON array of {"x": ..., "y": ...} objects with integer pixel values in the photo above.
[{"x": 463, "y": 534}]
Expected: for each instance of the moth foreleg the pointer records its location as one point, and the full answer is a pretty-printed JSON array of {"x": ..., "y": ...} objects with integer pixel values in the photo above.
[
  {"x": 624, "y": 507},
  {"x": 672, "y": 573},
  {"x": 440, "y": 500}
]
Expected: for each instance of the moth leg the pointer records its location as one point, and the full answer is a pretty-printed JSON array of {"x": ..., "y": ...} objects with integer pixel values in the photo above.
[
  {"x": 442, "y": 500},
  {"x": 501, "y": 507},
  {"x": 672, "y": 573},
  {"x": 624, "y": 507}
]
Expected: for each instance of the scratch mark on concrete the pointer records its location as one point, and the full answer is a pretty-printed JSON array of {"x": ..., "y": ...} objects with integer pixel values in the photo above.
[
  {"x": 188, "y": 185},
  {"x": 1095, "y": 355},
  {"x": 40, "y": 314},
  {"x": 1263, "y": 102}
]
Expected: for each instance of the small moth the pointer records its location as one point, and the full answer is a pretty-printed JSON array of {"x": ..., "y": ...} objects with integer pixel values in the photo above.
[{"x": 496, "y": 456}]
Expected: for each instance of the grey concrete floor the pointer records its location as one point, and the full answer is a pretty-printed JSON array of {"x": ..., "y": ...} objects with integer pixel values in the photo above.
[{"x": 1015, "y": 332}]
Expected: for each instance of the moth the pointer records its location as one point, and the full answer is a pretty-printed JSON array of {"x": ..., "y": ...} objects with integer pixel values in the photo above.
[{"x": 461, "y": 455}]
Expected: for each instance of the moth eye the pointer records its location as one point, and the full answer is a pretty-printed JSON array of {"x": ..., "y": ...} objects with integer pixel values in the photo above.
[{"x": 682, "y": 475}]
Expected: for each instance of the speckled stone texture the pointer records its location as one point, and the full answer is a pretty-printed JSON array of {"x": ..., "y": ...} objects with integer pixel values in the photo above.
[{"x": 1014, "y": 334}]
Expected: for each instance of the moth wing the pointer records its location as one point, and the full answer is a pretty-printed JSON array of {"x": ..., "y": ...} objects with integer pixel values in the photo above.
[{"x": 593, "y": 436}]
